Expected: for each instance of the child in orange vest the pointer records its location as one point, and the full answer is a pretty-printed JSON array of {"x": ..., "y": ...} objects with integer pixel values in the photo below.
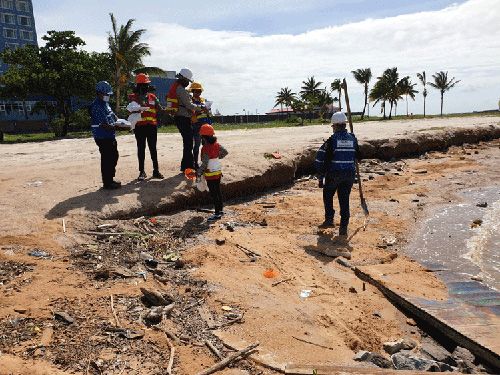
[{"x": 211, "y": 168}]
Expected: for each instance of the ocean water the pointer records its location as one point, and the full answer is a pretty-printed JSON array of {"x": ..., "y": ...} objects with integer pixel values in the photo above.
[{"x": 448, "y": 241}]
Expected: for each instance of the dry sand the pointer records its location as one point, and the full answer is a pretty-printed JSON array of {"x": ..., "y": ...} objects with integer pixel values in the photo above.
[{"x": 333, "y": 316}]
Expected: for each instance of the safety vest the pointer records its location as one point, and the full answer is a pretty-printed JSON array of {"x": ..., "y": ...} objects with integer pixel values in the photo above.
[
  {"x": 172, "y": 101},
  {"x": 148, "y": 117},
  {"x": 200, "y": 117},
  {"x": 344, "y": 151},
  {"x": 214, "y": 169}
]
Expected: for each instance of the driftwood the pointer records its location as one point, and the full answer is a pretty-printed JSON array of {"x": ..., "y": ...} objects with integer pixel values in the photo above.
[
  {"x": 228, "y": 360},
  {"x": 248, "y": 252},
  {"x": 117, "y": 322},
  {"x": 313, "y": 343},
  {"x": 213, "y": 349},
  {"x": 171, "y": 359},
  {"x": 282, "y": 281},
  {"x": 169, "y": 334}
]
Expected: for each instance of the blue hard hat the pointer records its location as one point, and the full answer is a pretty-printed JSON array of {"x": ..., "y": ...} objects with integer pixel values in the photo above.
[{"x": 104, "y": 87}]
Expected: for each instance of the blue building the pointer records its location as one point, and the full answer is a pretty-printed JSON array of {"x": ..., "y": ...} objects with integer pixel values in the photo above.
[{"x": 17, "y": 28}]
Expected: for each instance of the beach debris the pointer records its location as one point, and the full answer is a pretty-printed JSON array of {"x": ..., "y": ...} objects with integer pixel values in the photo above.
[
  {"x": 313, "y": 343},
  {"x": 37, "y": 253},
  {"x": 227, "y": 308},
  {"x": 156, "y": 313},
  {"x": 420, "y": 171},
  {"x": 220, "y": 241},
  {"x": 352, "y": 290},
  {"x": 270, "y": 273},
  {"x": 213, "y": 349},
  {"x": 477, "y": 278},
  {"x": 392, "y": 347},
  {"x": 476, "y": 223},
  {"x": 64, "y": 317},
  {"x": 107, "y": 273},
  {"x": 343, "y": 262},
  {"x": 154, "y": 298},
  {"x": 34, "y": 184},
  {"x": 272, "y": 155},
  {"x": 377, "y": 314},
  {"x": 482, "y": 204},
  {"x": 305, "y": 293},
  {"x": 411, "y": 322},
  {"x": 227, "y": 361},
  {"x": 282, "y": 281},
  {"x": 20, "y": 310}
]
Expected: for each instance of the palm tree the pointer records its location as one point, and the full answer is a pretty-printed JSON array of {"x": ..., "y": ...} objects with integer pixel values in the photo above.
[
  {"x": 336, "y": 85},
  {"x": 407, "y": 88},
  {"x": 309, "y": 93},
  {"x": 423, "y": 80},
  {"x": 442, "y": 84},
  {"x": 363, "y": 76},
  {"x": 288, "y": 96},
  {"x": 324, "y": 100},
  {"x": 127, "y": 53},
  {"x": 387, "y": 89}
]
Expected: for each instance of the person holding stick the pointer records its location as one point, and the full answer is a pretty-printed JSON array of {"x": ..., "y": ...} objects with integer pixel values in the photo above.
[{"x": 336, "y": 166}]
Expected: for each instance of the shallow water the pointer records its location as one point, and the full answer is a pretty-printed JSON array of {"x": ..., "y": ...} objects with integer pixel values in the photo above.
[{"x": 446, "y": 241}]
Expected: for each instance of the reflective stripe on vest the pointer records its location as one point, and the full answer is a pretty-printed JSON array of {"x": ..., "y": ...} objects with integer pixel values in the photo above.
[{"x": 172, "y": 101}]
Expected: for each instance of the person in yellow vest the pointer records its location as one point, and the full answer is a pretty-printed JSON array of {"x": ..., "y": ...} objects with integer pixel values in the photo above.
[
  {"x": 146, "y": 130},
  {"x": 198, "y": 119}
]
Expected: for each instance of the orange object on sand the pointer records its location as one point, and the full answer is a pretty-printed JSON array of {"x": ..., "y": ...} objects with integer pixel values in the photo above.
[
  {"x": 270, "y": 273},
  {"x": 190, "y": 173}
]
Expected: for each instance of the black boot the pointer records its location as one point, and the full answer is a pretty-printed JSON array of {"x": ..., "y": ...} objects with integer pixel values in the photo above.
[{"x": 343, "y": 230}]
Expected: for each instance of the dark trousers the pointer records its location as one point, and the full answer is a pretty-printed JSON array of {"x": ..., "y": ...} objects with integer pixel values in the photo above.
[
  {"x": 216, "y": 194},
  {"x": 109, "y": 158},
  {"x": 197, "y": 142},
  {"x": 147, "y": 133},
  {"x": 184, "y": 126},
  {"x": 342, "y": 185}
]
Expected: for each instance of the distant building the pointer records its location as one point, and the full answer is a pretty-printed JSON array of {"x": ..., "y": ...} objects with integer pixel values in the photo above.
[
  {"x": 162, "y": 85},
  {"x": 17, "y": 29}
]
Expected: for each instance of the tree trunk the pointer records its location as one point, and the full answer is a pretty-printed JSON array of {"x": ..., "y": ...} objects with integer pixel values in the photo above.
[
  {"x": 340, "y": 100},
  {"x": 390, "y": 111},
  {"x": 66, "y": 120},
  {"x": 366, "y": 101},
  {"x": 383, "y": 108},
  {"x": 424, "y": 106},
  {"x": 406, "y": 105},
  {"x": 442, "y": 94}
]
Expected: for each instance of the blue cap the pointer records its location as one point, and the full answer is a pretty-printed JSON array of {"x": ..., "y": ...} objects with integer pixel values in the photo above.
[{"x": 104, "y": 87}]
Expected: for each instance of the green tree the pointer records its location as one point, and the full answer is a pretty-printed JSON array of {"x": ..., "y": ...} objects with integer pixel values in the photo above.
[
  {"x": 324, "y": 100},
  {"x": 284, "y": 97},
  {"x": 309, "y": 93},
  {"x": 336, "y": 85},
  {"x": 387, "y": 89},
  {"x": 423, "y": 80},
  {"x": 443, "y": 84},
  {"x": 60, "y": 71},
  {"x": 407, "y": 88},
  {"x": 299, "y": 105},
  {"x": 363, "y": 76},
  {"x": 127, "y": 52}
]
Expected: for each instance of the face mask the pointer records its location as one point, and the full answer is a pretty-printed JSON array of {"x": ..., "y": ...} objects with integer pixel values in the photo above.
[{"x": 105, "y": 98}]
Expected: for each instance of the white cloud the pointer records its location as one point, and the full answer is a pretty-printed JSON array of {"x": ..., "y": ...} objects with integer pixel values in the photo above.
[{"x": 244, "y": 70}]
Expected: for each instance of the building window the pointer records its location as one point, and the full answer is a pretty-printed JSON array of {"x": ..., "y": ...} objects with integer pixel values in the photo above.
[
  {"x": 9, "y": 19},
  {"x": 7, "y": 4},
  {"x": 11, "y": 45},
  {"x": 3, "y": 109},
  {"x": 9, "y": 33},
  {"x": 24, "y": 21},
  {"x": 19, "y": 106},
  {"x": 26, "y": 35},
  {"x": 22, "y": 6}
]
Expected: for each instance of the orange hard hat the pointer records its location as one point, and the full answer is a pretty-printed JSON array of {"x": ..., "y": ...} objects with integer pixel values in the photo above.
[
  {"x": 142, "y": 78},
  {"x": 207, "y": 129}
]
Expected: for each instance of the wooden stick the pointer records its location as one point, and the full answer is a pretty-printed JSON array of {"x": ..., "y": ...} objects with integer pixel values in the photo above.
[
  {"x": 94, "y": 233},
  {"x": 213, "y": 349},
  {"x": 64, "y": 225},
  {"x": 282, "y": 281},
  {"x": 228, "y": 360},
  {"x": 247, "y": 251},
  {"x": 168, "y": 334},
  {"x": 313, "y": 343},
  {"x": 171, "y": 359},
  {"x": 117, "y": 322}
]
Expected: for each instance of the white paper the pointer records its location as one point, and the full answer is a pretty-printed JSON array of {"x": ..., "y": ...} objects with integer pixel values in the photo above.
[
  {"x": 134, "y": 107},
  {"x": 208, "y": 104}
]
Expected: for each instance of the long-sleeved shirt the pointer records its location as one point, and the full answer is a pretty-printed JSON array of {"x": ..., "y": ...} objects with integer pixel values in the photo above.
[
  {"x": 205, "y": 159},
  {"x": 101, "y": 113},
  {"x": 186, "y": 106}
]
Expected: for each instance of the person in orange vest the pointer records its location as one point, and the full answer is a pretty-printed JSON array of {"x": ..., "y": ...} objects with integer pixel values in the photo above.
[
  {"x": 146, "y": 130},
  {"x": 211, "y": 168},
  {"x": 198, "y": 119},
  {"x": 180, "y": 105}
]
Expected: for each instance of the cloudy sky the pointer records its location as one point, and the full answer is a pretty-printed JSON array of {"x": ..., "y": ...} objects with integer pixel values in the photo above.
[{"x": 245, "y": 51}]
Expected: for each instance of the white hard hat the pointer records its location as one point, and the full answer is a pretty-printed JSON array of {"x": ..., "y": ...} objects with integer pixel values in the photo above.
[
  {"x": 338, "y": 118},
  {"x": 186, "y": 73}
]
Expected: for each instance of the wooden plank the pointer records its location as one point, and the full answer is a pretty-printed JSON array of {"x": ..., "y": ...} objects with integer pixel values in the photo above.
[{"x": 296, "y": 369}]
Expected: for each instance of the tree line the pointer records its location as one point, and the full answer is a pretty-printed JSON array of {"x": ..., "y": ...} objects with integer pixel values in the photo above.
[
  {"x": 61, "y": 72},
  {"x": 388, "y": 90}
]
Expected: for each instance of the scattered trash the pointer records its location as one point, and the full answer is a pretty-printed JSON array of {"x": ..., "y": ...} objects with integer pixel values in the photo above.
[
  {"x": 272, "y": 155},
  {"x": 227, "y": 308},
  {"x": 143, "y": 274},
  {"x": 151, "y": 263},
  {"x": 482, "y": 204},
  {"x": 420, "y": 171},
  {"x": 63, "y": 316},
  {"x": 220, "y": 241},
  {"x": 64, "y": 225},
  {"x": 476, "y": 223},
  {"x": 39, "y": 254},
  {"x": 153, "y": 220},
  {"x": 352, "y": 290},
  {"x": 377, "y": 314},
  {"x": 20, "y": 310},
  {"x": 130, "y": 334},
  {"x": 477, "y": 278},
  {"x": 155, "y": 298},
  {"x": 34, "y": 184},
  {"x": 305, "y": 293},
  {"x": 171, "y": 257},
  {"x": 411, "y": 322},
  {"x": 270, "y": 273}
]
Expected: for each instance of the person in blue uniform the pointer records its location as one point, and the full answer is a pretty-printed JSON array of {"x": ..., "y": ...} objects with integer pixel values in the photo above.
[
  {"x": 103, "y": 124},
  {"x": 336, "y": 166}
]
